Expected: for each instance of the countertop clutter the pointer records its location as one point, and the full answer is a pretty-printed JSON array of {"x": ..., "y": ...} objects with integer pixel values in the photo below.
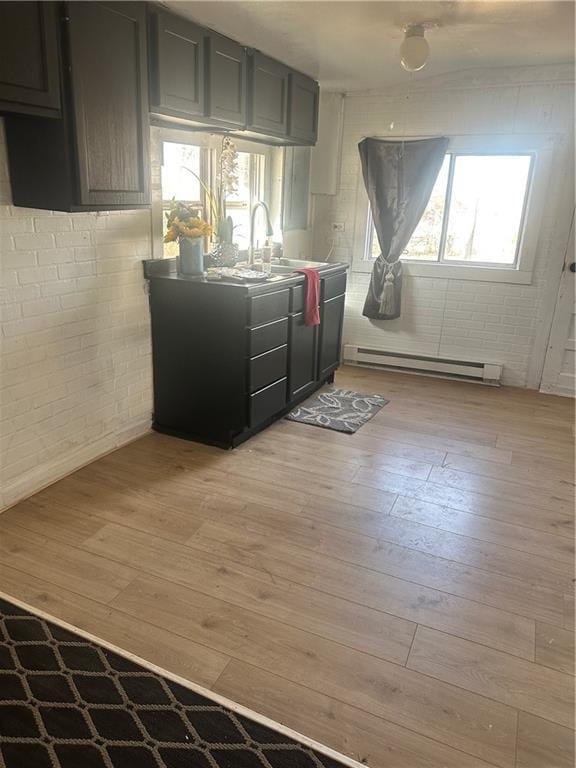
[{"x": 230, "y": 358}]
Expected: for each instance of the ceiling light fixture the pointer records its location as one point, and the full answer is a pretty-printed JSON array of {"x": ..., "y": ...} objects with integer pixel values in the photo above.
[{"x": 414, "y": 51}]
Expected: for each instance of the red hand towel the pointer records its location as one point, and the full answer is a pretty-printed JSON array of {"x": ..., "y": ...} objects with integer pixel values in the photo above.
[{"x": 311, "y": 312}]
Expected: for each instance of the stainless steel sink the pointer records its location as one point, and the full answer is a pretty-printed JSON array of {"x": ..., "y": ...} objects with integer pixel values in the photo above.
[{"x": 287, "y": 266}]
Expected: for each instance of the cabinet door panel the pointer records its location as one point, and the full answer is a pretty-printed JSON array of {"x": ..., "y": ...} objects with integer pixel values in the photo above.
[
  {"x": 268, "y": 95},
  {"x": 109, "y": 96},
  {"x": 267, "y": 403},
  {"x": 303, "y": 109},
  {"x": 302, "y": 362},
  {"x": 29, "y": 66},
  {"x": 331, "y": 318},
  {"x": 226, "y": 97},
  {"x": 177, "y": 65}
]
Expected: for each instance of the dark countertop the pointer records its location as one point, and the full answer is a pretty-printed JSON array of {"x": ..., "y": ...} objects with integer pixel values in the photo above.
[{"x": 165, "y": 269}]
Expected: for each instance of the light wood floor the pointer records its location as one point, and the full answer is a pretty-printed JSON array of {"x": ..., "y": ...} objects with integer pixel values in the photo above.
[{"x": 403, "y": 595}]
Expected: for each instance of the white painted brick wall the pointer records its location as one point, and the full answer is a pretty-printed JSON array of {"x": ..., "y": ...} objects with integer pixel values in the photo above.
[
  {"x": 75, "y": 369},
  {"x": 454, "y": 318}
]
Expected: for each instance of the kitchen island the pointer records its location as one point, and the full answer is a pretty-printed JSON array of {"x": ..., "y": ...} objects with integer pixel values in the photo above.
[{"x": 230, "y": 358}]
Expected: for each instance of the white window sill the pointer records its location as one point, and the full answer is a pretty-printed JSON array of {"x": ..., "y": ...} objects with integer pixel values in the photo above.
[{"x": 457, "y": 272}]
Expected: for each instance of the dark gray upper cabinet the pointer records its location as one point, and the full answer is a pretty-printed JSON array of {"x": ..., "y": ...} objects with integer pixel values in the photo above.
[
  {"x": 109, "y": 90},
  {"x": 200, "y": 77},
  {"x": 303, "y": 108},
  {"x": 267, "y": 95},
  {"x": 176, "y": 66},
  {"x": 225, "y": 81},
  {"x": 97, "y": 156},
  {"x": 29, "y": 62}
]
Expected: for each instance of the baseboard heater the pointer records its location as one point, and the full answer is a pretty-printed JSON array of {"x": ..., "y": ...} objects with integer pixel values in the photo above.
[{"x": 487, "y": 373}]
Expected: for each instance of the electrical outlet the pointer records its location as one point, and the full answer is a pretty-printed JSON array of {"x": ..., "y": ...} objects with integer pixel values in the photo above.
[{"x": 338, "y": 226}]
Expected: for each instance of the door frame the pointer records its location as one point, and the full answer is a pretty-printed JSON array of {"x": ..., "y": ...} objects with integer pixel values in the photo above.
[{"x": 563, "y": 312}]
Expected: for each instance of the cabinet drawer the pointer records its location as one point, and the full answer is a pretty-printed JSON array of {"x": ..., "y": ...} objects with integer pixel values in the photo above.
[
  {"x": 268, "y": 336},
  {"x": 268, "y": 367},
  {"x": 268, "y": 307},
  {"x": 333, "y": 286},
  {"x": 267, "y": 402}
]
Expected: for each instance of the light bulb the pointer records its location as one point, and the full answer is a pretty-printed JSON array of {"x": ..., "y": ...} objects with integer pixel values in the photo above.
[{"x": 414, "y": 51}]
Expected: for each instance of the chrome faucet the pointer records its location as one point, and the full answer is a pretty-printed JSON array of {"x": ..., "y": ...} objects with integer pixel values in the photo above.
[{"x": 269, "y": 230}]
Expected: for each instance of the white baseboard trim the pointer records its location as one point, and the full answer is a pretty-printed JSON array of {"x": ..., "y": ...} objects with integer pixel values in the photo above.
[{"x": 39, "y": 478}]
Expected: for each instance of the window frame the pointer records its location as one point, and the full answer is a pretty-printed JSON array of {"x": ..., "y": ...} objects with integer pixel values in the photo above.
[
  {"x": 540, "y": 148},
  {"x": 207, "y": 143}
]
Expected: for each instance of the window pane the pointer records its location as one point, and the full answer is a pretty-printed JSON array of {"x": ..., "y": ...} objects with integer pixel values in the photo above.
[
  {"x": 176, "y": 180},
  {"x": 178, "y": 183},
  {"x": 486, "y": 207},
  {"x": 425, "y": 241},
  {"x": 250, "y": 188}
]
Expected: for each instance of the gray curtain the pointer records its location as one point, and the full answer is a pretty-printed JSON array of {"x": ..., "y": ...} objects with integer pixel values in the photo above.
[{"x": 399, "y": 177}]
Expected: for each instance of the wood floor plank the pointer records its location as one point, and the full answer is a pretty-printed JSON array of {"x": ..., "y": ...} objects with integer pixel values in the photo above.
[
  {"x": 357, "y": 626},
  {"x": 559, "y": 500},
  {"x": 454, "y": 717},
  {"x": 291, "y": 479},
  {"x": 108, "y": 502},
  {"x": 312, "y": 441},
  {"x": 547, "y": 573},
  {"x": 508, "y": 594},
  {"x": 557, "y": 521},
  {"x": 87, "y": 574},
  {"x": 368, "y": 739},
  {"x": 246, "y": 480},
  {"x": 516, "y": 682},
  {"x": 555, "y": 647},
  {"x": 569, "y": 622},
  {"x": 344, "y": 469},
  {"x": 544, "y": 545},
  {"x": 480, "y": 424},
  {"x": 381, "y": 436},
  {"x": 177, "y": 654},
  {"x": 534, "y": 462},
  {"x": 548, "y": 450},
  {"x": 425, "y": 423},
  {"x": 412, "y": 602},
  {"x": 553, "y": 479},
  {"x": 58, "y": 522},
  {"x": 542, "y": 744}
]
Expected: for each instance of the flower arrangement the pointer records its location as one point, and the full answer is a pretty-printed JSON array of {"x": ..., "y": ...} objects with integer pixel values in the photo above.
[
  {"x": 226, "y": 184},
  {"x": 183, "y": 221}
]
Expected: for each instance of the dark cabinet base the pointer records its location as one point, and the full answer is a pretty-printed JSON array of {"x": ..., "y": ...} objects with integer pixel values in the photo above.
[
  {"x": 230, "y": 359},
  {"x": 235, "y": 440}
]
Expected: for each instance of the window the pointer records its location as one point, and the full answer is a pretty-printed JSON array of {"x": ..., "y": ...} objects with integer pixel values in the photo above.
[
  {"x": 187, "y": 169},
  {"x": 475, "y": 213},
  {"x": 250, "y": 189}
]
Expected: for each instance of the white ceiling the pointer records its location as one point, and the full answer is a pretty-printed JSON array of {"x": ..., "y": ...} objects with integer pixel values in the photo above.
[{"x": 354, "y": 45}]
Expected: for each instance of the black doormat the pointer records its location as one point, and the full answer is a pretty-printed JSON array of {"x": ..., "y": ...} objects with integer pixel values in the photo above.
[
  {"x": 69, "y": 702},
  {"x": 338, "y": 409}
]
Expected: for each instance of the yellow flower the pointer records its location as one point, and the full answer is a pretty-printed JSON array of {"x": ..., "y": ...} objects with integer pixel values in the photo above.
[{"x": 171, "y": 235}]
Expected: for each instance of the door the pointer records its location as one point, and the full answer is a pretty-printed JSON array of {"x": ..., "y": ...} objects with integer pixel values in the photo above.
[
  {"x": 29, "y": 65},
  {"x": 559, "y": 376},
  {"x": 302, "y": 361},
  {"x": 303, "y": 110},
  {"x": 268, "y": 95},
  {"x": 109, "y": 83},
  {"x": 177, "y": 66},
  {"x": 226, "y": 82},
  {"x": 331, "y": 319}
]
